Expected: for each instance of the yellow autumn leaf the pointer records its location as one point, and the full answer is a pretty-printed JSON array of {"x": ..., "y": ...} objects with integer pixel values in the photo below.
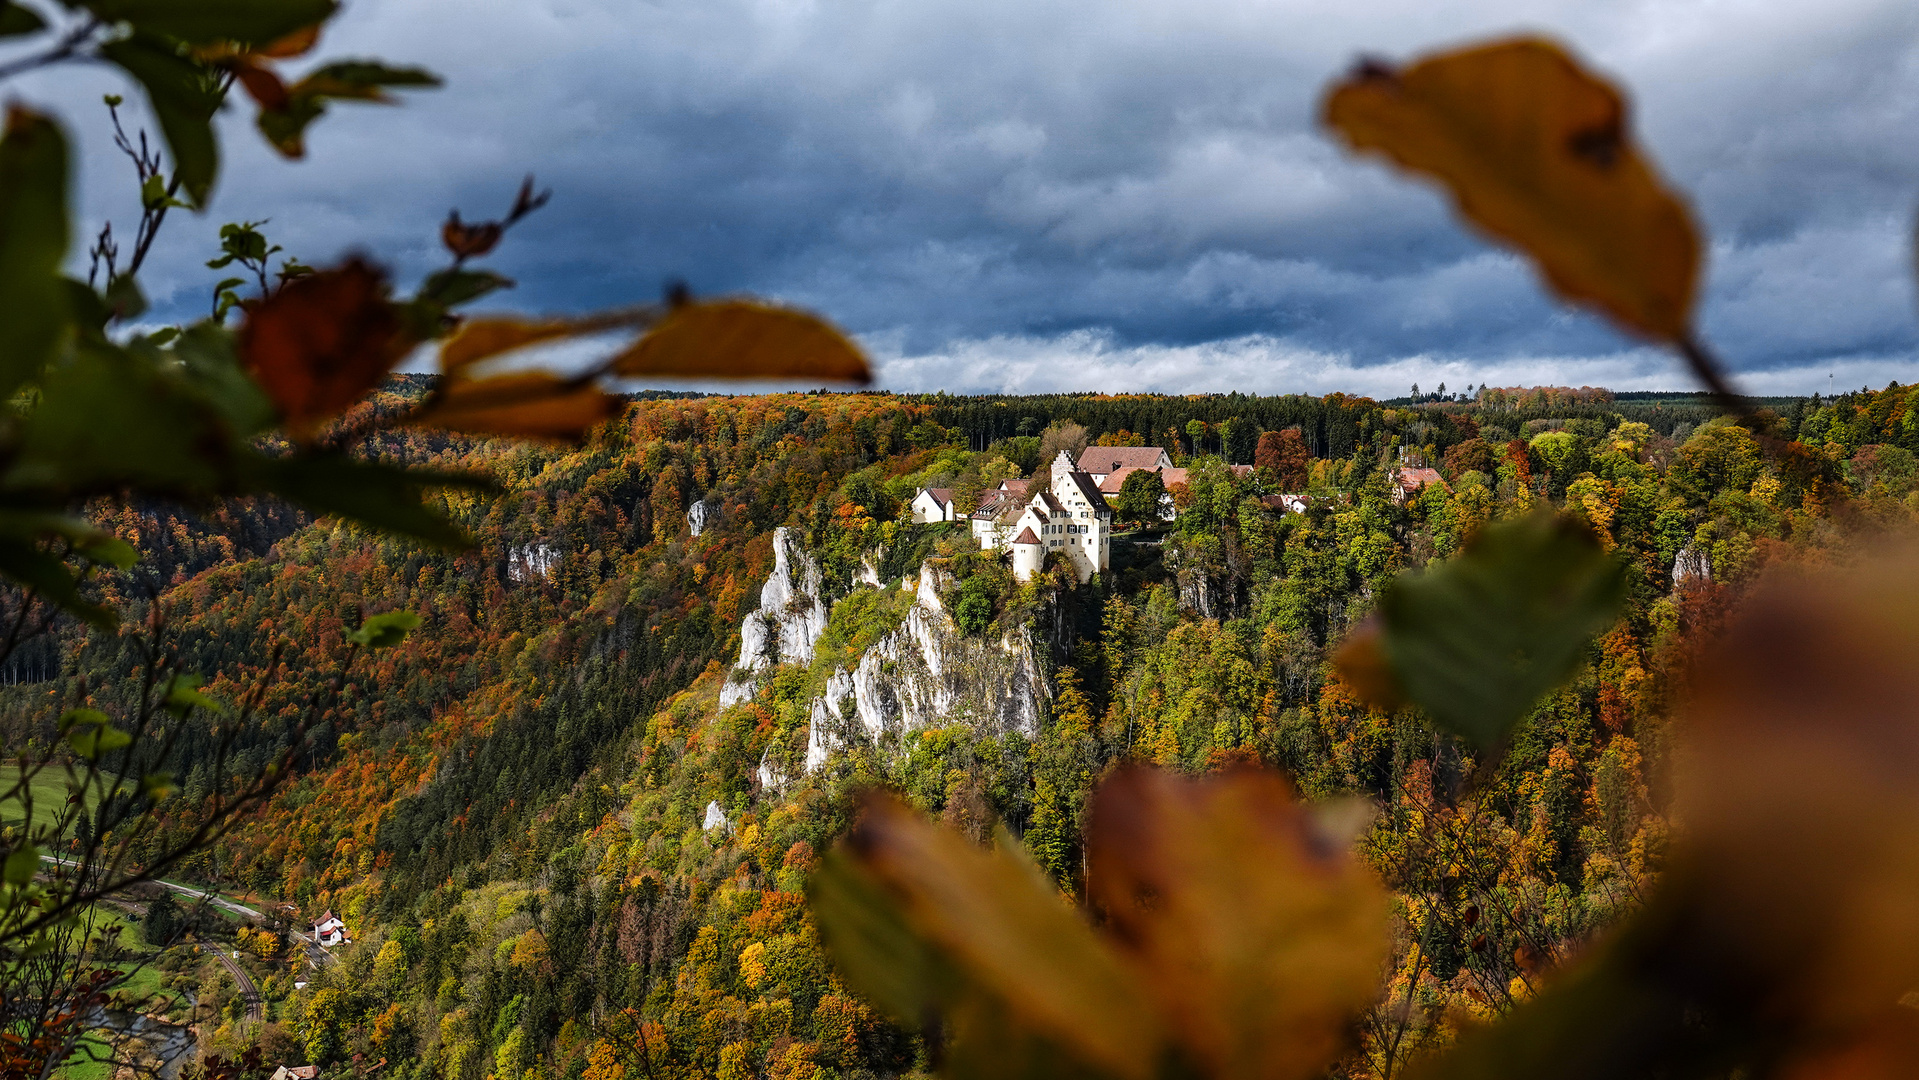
[
  {"x": 742, "y": 339},
  {"x": 484, "y": 338},
  {"x": 1260, "y": 937},
  {"x": 525, "y": 404},
  {"x": 1007, "y": 929},
  {"x": 1538, "y": 153}
]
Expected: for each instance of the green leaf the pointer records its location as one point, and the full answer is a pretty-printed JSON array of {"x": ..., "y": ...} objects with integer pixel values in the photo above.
[
  {"x": 1477, "y": 640},
  {"x": 22, "y": 863},
  {"x": 286, "y": 127},
  {"x": 34, "y": 313},
  {"x": 154, "y": 194},
  {"x": 73, "y": 718},
  {"x": 37, "y": 569},
  {"x": 124, "y": 299},
  {"x": 107, "y": 420},
  {"x": 207, "y": 359},
  {"x": 111, "y": 551},
  {"x": 183, "y": 695},
  {"x": 451, "y": 288},
  {"x": 184, "y": 96},
  {"x": 360, "y": 80},
  {"x": 16, "y": 21},
  {"x": 95, "y": 543},
  {"x": 199, "y": 22},
  {"x": 385, "y": 631},
  {"x": 93, "y": 740},
  {"x": 346, "y": 80},
  {"x": 372, "y": 493},
  {"x": 156, "y": 785},
  {"x": 86, "y": 308}
]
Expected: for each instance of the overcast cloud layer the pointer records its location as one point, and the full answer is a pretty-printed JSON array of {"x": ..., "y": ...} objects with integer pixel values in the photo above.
[{"x": 1029, "y": 195}]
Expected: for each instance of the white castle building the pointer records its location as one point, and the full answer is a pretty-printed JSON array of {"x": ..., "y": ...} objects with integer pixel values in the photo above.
[{"x": 1069, "y": 515}]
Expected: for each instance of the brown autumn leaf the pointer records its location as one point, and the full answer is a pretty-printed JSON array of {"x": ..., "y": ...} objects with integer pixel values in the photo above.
[
  {"x": 1799, "y": 787},
  {"x": 261, "y": 84},
  {"x": 1362, "y": 664},
  {"x": 298, "y": 43},
  {"x": 1006, "y": 928},
  {"x": 1259, "y": 936},
  {"x": 1538, "y": 153},
  {"x": 470, "y": 241},
  {"x": 743, "y": 339},
  {"x": 321, "y": 342},
  {"x": 522, "y": 404},
  {"x": 484, "y": 338}
]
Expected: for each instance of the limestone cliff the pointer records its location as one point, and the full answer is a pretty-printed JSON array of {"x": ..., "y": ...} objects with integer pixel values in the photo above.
[
  {"x": 922, "y": 673},
  {"x": 926, "y": 674},
  {"x": 790, "y": 618}
]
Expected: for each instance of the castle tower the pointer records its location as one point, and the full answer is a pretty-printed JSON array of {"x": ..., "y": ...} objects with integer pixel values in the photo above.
[{"x": 1062, "y": 468}]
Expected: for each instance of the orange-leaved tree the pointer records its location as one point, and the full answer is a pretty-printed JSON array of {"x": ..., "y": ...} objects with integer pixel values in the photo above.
[{"x": 274, "y": 407}]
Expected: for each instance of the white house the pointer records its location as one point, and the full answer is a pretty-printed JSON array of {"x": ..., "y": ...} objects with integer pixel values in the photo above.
[
  {"x": 1287, "y": 503},
  {"x": 933, "y": 504},
  {"x": 330, "y": 931}
]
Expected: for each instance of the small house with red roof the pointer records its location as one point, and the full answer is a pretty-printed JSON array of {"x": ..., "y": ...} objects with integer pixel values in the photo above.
[
  {"x": 1408, "y": 480},
  {"x": 329, "y": 931}
]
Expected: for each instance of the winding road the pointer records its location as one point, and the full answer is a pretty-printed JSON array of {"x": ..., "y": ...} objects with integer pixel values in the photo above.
[{"x": 208, "y": 895}]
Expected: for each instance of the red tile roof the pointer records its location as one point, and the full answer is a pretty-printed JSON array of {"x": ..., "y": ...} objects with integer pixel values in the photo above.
[
  {"x": 1114, "y": 479},
  {"x": 1105, "y": 459},
  {"x": 1015, "y": 487},
  {"x": 1026, "y": 537},
  {"x": 943, "y": 496}
]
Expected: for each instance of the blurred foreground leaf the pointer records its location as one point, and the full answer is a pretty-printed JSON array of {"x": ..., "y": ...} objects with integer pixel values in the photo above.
[
  {"x": 320, "y": 343},
  {"x": 1477, "y": 640},
  {"x": 485, "y": 338},
  {"x": 1239, "y": 941},
  {"x": 741, "y": 339},
  {"x": 200, "y": 22},
  {"x": 33, "y": 241},
  {"x": 371, "y": 493},
  {"x": 385, "y": 630},
  {"x": 1259, "y": 937},
  {"x": 528, "y": 404},
  {"x": 1537, "y": 152},
  {"x": 1781, "y": 940},
  {"x": 993, "y": 921}
]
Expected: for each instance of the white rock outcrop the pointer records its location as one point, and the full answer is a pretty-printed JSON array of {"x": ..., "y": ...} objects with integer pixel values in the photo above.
[
  {"x": 697, "y": 516},
  {"x": 790, "y": 618},
  {"x": 928, "y": 674}
]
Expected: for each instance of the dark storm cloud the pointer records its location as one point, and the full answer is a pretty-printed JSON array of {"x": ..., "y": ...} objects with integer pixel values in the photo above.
[{"x": 1033, "y": 195}]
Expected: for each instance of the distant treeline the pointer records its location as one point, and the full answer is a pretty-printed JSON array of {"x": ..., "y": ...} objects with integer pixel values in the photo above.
[{"x": 1334, "y": 425}]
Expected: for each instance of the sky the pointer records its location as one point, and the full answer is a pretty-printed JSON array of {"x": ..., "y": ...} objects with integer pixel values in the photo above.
[{"x": 1123, "y": 195}]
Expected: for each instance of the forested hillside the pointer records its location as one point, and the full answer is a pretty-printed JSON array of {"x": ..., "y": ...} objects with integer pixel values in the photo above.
[{"x": 511, "y": 810}]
